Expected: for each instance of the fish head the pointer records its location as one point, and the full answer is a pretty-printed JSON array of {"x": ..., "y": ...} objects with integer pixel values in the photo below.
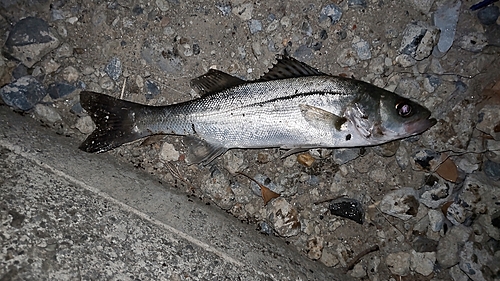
[
  {"x": 382, "y": 116},
  {"x": 400, "y": 117}
]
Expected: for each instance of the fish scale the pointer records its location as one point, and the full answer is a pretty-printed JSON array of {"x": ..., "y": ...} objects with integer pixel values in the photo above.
[{"x": 293, "y": 107}]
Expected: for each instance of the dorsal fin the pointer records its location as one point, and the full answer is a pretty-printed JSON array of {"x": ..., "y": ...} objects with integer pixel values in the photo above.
[
  {"x": 288, "y": 67},
  {"x": 214, "y": 81}
]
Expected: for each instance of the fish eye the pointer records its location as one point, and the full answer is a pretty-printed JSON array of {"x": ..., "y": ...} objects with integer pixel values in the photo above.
[{"x": 404, "y": 109}]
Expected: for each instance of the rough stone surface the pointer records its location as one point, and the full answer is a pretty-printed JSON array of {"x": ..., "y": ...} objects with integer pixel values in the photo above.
[
  {"x": 399, "y": 263},
  {"x": 284, "y": 218},
  {"x": 450, "y": 245},
  {"x": 163, "y": 44},
  {"x": 24, "y": 93},
  {"x": 30, "y": 39},
  {"x": 402, "y": 203}
]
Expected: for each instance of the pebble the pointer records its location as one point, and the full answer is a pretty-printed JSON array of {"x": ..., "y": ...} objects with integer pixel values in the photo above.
[
  {"x": 405, "y": 60},
  {"x": 427, "y": 44},
  {"x": 473, "y": 259},
  {"x": 272, "y": 26},
  {"x": 255, "y": 26},
  {"x": 30, "y": 40},
  {"x": 436, "y": 192},
  {"x": 401, "y": 203},
  {"x": 314, "y": 248},
  {"x": 85, "y": 125},
  {"x": 473, "y": 42},
  {"x": 436, "y": 220},
  {"x": 328, "y": 258},
  {"x": 305, "y": 159},
  {"x": 70, "y": 74},
  {"x": 425, "y": 160},
  {"x": 243, "y": 11},
  {"x": 447, "y": 254},
  {"x": 362, "y": 48},
  {"x": 457, "y": 274},
  {"x": 358, "y": 271},
  {"x": 60, "y": 89},
  {"x": 50, "y": 66},
  {"x": 152, "y": 89},
  {"x": 106, "y": 83},
  {"x": 398, "y": 263},
  {"x": 377, "y": 65},
  {"x": 234, "y": 161},
  {"x": 493, "y": 35},
  {"x": 492, "y": 170},
  {"x": 343, "y": 155},
  {"x": 162, "y": 5},
  {"x": 283, "y": 217},
  {"x": 348, "y": 208},
  {"x": 387, "y": 149},
  {"x": 423, "y": 244},
  {"x": 306, "y": 28},
  {"x": 446, "y": 18},
  {"x": 218, "y": 188},
  {"x": 422, "y": 263},
  {"x": 458, "y": 212},
  {"x": 265, "y": 228},
  {"x": 356, "y": 3},
  {"x": 331, "y": 12},
  {"x": 488, "y": 120},
  {"x": 224, "y": 8},
  {"x": 418, "y": 41},
  {"x": 488, "y": 15},
  {"x": 168, "y": 152},
  {"x": 64, "y": 51},
  {"x": 431, "y": 83},
  {"x": 378, "y": 175},
  {"x": 24, "y": 93},
  {"x": 19, "y": 71},
  {"x": 114, "y": 68},
  {"x": 468, "y": 163},
  {"x": 76, "y": 108},
  {"x": 196, "y": 49},
  {"x": 47, "y": 114},
  {"x": 286, "y": 22},
  {"x": 403, "y": 157},
  {"x": 423, "y": 5},
  {"x": 267, "y": 182},
  {"x": 347, "y": 57},
  {"x": 303, "y": 53}
]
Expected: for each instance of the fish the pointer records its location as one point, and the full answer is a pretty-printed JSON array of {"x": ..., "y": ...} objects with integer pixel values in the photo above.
[{"x": 293, "y": 106}]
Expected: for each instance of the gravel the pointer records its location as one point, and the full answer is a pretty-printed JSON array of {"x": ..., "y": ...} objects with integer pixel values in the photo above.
[{"x": 439, "y": 54}]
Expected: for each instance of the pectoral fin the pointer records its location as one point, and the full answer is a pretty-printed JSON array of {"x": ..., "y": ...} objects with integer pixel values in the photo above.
[
  {"x": 200, "y": 151},
  {"x": 320, "y": 118}
]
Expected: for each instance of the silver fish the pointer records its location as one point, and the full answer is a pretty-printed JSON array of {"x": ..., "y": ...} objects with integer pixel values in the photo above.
[{"x": 293, "y": 106}]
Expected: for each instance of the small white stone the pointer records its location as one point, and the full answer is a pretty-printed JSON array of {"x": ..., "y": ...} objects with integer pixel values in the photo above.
[
  {"x": 70, "y": 74},
  {"x": 85, "y": 125},
  {"x": 422, "y": 263},
  {"x": 168, "y": 152},
  {"x": 436, "y": 219},
  {"x": 398, "y": 263},
  {"x": 358, "y": 271}
]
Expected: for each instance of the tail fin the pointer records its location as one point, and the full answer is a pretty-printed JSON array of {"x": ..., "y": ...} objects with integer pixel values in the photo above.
[{"x": 114, "y": 119}]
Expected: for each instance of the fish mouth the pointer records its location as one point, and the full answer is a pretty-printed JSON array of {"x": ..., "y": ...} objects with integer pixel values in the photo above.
[{"x": 419, "y": 126}]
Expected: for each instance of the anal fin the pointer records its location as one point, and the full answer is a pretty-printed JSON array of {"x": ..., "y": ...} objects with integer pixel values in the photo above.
[{"x": 200, "y": 151}]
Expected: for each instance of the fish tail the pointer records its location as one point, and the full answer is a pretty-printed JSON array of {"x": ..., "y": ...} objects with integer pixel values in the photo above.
[{"x": 114, "y": 119}]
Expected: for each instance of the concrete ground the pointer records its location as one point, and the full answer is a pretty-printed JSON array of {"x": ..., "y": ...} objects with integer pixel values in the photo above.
[{"x": 69, "y": 215}]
